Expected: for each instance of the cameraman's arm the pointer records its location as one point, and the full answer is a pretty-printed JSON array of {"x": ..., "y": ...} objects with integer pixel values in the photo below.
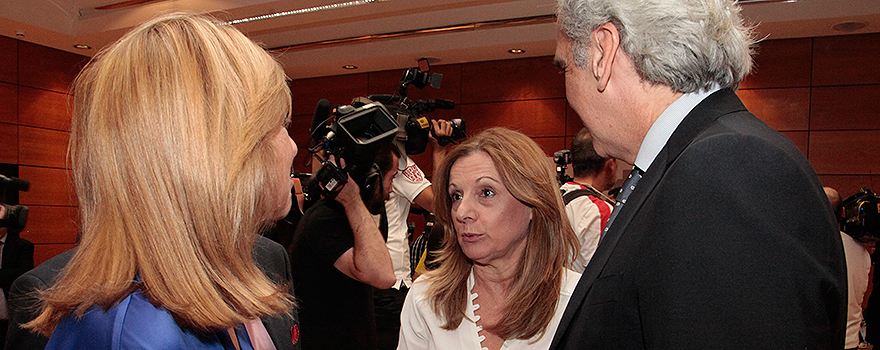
[
  {"x": 368, "y": 261},
  {"x": 441, "y": 128}
]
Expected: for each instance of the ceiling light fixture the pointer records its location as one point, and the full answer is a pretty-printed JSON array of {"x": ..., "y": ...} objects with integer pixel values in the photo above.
[
  {"x": 302, "y": 11},
  {"x": 516, "y": 51},
  {"x": 349, "y": 66},
  {"x": 81, "y": 46},
  {"x": 746, "y": 2},
  {"x": 849, "y": 26}
]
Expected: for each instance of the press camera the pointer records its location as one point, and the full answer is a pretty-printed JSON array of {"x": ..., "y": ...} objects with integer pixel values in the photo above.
[
  {"x": 16, "y": 215},
  {"x": 861, "y": 216}
]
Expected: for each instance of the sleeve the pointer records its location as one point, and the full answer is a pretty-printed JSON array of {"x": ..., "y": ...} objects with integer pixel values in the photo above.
[
  {"x": 586, "y": 221},
  {"x": 24, "y": 307},
  {"x": 19, "y": 259},
  {"x": 414, "y": 330},
  {"x": 410, "y": 182}
]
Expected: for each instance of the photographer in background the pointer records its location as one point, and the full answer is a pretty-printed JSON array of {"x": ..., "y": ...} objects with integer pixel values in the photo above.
[
  {"x": 338, "y": 256},
  {"x": 410, "y": 186},
  {"x": 16, "y": 258},
  {"x": 586, "y": 206}
]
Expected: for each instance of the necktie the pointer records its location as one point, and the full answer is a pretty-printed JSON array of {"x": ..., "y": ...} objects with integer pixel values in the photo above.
[{"x": 628, "y": 186}]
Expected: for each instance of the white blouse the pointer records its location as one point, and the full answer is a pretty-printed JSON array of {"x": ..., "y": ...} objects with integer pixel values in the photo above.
[{"x": 421, "y": 329}]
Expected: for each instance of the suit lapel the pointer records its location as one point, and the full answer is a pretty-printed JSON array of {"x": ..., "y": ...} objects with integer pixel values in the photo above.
[{"x": 706, "y": 112}]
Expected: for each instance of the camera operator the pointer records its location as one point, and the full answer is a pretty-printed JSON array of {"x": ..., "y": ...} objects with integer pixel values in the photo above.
[
  {"x": 16, "y": 258},
  {"x": 338, "y": 256},
  {"x": 410, "y": 186},
  {"x": 587, "y": 208}
]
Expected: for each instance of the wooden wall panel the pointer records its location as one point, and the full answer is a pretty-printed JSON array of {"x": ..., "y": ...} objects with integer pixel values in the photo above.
[
  {"x": 43, "y": 252},
  {"x": 8, "y": 60},
  {"x": 8, "y": 143},
  {"x": 338, "y": 90},
  {"x": 42, "y": 147},
  {"x": 573, "y": 123},
  {"x": 299, "y": 132},
  {"x": 845, "y": 108},
  {"x": 8, "y": 103},
  {"x": 848, "y": 185},
  {"x": 801, "y": 139},
  {"x": 536, "y": 118},
  {"x": 43, "y": 108},
  {"x": 846, "y": 59},
  {"x": 51, "y": 224},
  {"x": 780, "y": 63},
  {"x": 845, "y": 152},
  {"x": 46, "y": 68},
  {"x": 782, "y": 109},
  {"x": 49, "y": 186},
  {"x": 550, "y": 145},
  {"x": 511, "y": 80}
]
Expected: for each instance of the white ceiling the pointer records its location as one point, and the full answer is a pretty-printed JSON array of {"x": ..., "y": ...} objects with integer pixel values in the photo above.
[{"x": 63, "y": 23}]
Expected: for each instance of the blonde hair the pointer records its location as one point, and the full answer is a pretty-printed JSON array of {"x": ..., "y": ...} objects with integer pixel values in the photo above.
[
  {"x": 171, "y": 149},
  {"x": 526, "y": 172}
]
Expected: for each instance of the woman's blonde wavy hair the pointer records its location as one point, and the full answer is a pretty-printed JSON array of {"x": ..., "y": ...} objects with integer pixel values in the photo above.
[
  {"x": 528, "y": 175},
  {"x": 171, "y": 149}
]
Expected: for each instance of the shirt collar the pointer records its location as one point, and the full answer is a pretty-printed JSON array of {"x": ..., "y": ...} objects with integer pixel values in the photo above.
[{"x": 665, "y": 125}]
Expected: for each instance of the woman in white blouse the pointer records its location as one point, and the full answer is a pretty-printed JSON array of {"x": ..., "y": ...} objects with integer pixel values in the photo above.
[{"x": 502, "y": 280}]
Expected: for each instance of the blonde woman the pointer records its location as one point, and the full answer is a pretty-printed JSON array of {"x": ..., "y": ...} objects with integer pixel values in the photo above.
[
  {"x": 502, "y": 280},
  {"x": 180, "y": 156}
]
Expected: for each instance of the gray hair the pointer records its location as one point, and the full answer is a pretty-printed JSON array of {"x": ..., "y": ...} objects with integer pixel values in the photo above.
[{"x": 688, "y": 45}]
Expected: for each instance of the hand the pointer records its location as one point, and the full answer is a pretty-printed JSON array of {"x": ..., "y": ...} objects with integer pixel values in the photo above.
[
  {"x": 441, "y": 128},
  {"x": 349, "y": 194}
]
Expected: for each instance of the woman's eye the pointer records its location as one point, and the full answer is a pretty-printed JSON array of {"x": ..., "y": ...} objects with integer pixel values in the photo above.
[
  {"x": 487, "y": 192},
  {"x": 455, "y": 196}
]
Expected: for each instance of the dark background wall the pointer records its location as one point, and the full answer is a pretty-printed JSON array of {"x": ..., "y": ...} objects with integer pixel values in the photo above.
[{"x": 823, "y": 93}]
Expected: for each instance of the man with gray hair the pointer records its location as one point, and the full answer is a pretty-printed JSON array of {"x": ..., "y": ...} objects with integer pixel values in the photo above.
[{"x": 722, "y": 237}]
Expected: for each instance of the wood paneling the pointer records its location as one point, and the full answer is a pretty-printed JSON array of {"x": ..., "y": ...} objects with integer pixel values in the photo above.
[
  {"x": 8, "y": 60},
  {"x": 847, "y": 59},
  {"x": 780, "y": 63},
  {"x": 573, "y": 123},
  {"x": 535, "y": 118},
  {"x": 550, "y": 144},
  {"x": 782, "y": 109},
  {"x": 51, "y": 224},
  {"x": 299, "y": 132},
  {"x": 800, "y": 139},
  {"x": 8, "y": 103},
  {"x": 43, "y": 108},
  {"x": 8, "y": 143},
  {"x": 46, "y": 68},
  {"x": 845, "y": 152},
  {"x": 338, "y": 90},
  {"x": 511, "y": 80},
  {"x": 848, "y": 185},
  {"x": 845, "y": 108},
  {"x": 49, "y": 186},
  {"x": 43, "y": 252},
  {"x": 42, "y": 147}
]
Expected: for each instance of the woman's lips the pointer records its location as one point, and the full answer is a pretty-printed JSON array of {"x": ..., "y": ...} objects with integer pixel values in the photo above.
[{"x": 471, "y": 237}]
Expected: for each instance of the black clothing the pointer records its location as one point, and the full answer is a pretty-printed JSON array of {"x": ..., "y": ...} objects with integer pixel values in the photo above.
[{"x": 336, "y": 311}]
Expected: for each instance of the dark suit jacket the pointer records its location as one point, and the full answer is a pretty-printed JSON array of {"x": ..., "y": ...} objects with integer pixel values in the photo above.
[
  {"x": 18, "y": 258},
  {"x": 727, "y": 242},
  {"x": 269, "y": 256}
]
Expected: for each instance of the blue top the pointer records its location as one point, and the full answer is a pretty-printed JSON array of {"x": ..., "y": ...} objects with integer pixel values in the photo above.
[{"x": 135, "y": 323}]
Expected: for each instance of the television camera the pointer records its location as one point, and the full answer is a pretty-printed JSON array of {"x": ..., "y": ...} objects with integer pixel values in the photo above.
[
  {"x": 861, "y": 216},
  {"x": 15, "y": 216}
]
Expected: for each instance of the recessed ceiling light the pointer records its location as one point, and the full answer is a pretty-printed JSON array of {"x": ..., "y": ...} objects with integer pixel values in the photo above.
[
  {"x": 516, "y": 51},
  {"x": 849, "y": 26},
  {"x": 20, "y": 32},
  {"x": 81, "y": 46},
  {"x": 349, "y": 66}
]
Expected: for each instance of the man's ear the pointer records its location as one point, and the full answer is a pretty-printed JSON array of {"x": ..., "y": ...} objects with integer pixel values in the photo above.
[{"x": 605, "y": 43}]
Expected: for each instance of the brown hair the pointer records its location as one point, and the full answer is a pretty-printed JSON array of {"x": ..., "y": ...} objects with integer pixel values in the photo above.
[
  {"x": 171, "y": 149},
  {"x": 529, "y": 176}
]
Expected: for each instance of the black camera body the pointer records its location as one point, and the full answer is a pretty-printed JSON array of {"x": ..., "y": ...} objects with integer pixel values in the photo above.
[
  {"x": 414, "y": 124},
  {"x": 562, "y": 159},
  {"x": 861, "y": 216},
  {"x": 353, "y": 136},
  {"x": 16, "y": 215}
]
